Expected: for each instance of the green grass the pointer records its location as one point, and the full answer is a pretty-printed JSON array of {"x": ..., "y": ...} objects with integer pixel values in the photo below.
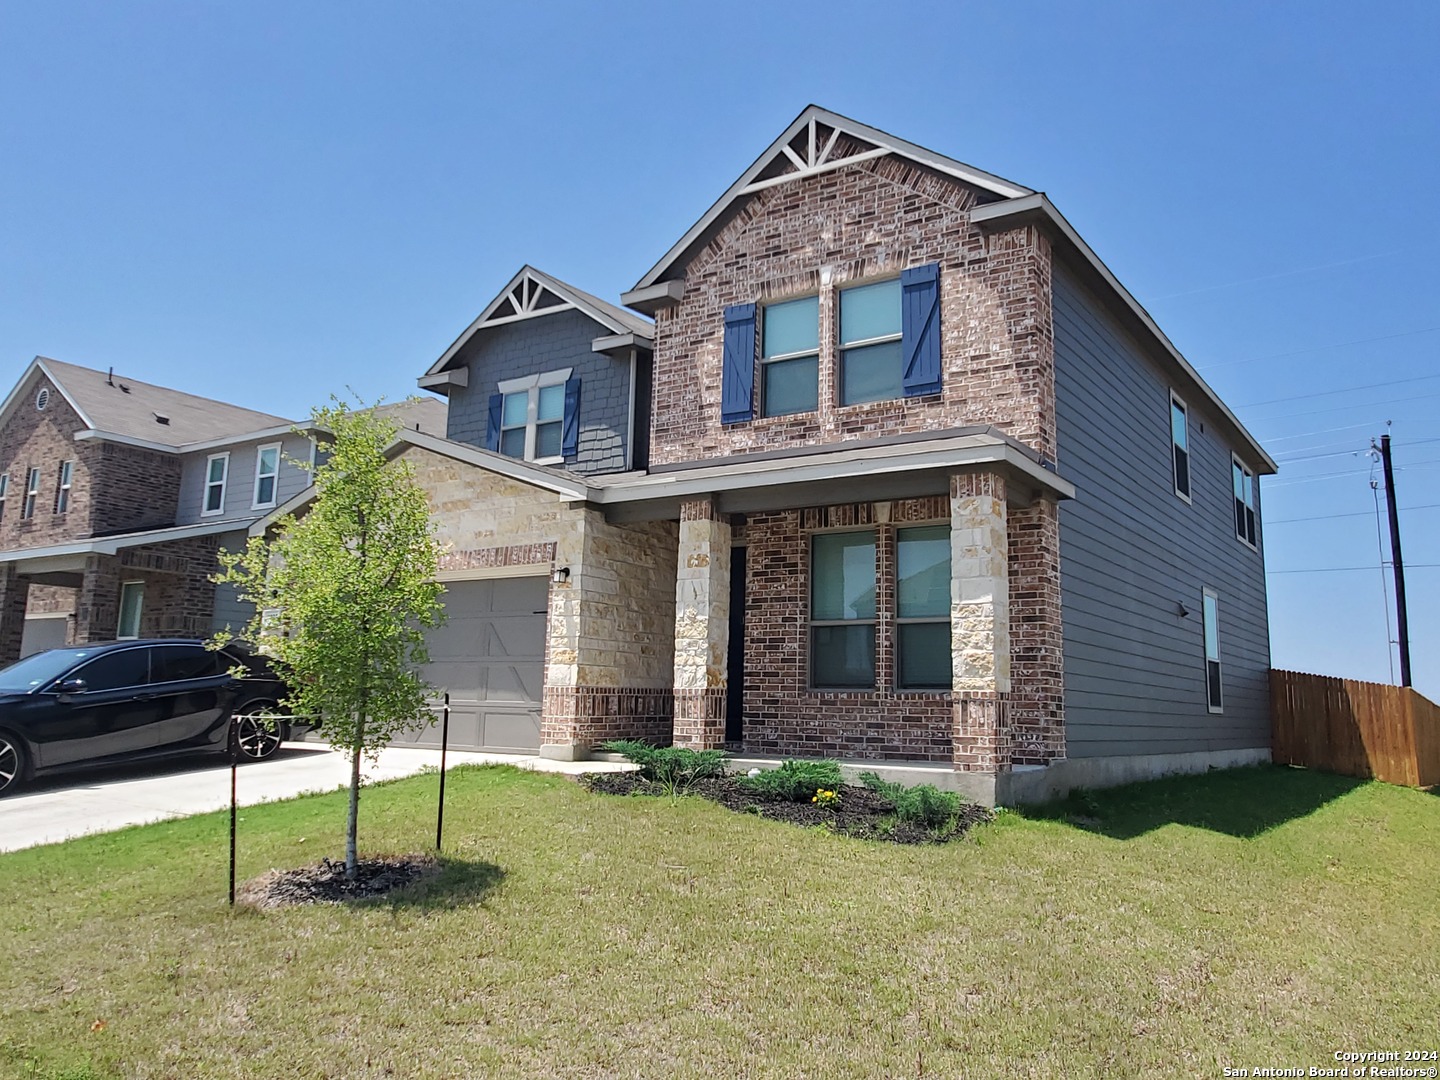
[{"x": 1257, "y": 917}]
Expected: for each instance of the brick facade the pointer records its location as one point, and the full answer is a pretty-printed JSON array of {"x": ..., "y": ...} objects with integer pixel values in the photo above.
[
  {"x": 860, "y": 222},
  {"x": 44, "y": 439}
]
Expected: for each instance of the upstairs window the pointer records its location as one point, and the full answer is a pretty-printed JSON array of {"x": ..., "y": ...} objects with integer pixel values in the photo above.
[
  {"x": 217, "y": 471},
  {"x": 1244, "y": 492},
  {"x": 870, "y": 350},
  {"x": 922, "y": 608},
  {"x": 4, "y": 491},
  {"x": 32, "y": 494},
  {"x": 790, "y": 357},
  {"x": 267, "y": 470},
  {"x": 1180, "y": 446},
  {"x": 1210, "y": 603},
  {"x": 842, "y": 610},
  {"x": 530, "y": 416},
  {"x": 62, "y": 489}
]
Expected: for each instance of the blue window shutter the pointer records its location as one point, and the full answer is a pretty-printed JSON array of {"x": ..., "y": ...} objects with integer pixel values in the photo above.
[
  {"x": 570, "y": 432},
  {"x": 492, "y": 425},
  {"x": 920, "y": 329},
  {"x": 737, "y": 382}
]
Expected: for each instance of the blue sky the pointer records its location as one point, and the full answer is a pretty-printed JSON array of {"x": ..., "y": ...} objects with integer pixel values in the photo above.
[{"x": 268, "y": 202}]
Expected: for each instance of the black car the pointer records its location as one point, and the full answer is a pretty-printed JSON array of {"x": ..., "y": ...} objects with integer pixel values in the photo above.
[{"x": 123, "y": 700}]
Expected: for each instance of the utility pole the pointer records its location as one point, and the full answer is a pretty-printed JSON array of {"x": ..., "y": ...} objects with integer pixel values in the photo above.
[{"x": 1397, "y": 561}]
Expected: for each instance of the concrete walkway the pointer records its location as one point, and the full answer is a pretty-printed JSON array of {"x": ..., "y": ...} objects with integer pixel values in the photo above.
[{"x": 102, "y": 800}]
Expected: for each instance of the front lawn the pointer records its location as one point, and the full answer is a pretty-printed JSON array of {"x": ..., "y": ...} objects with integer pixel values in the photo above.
[{"x": 1263, "y": 917}]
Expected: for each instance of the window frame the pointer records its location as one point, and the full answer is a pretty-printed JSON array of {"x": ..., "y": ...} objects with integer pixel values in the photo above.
[
  {"x": 842, "y": 346},
  {"x": 223, "y": 483},
  {"x": 1210, "y": 601},
  {"x": 139, "y": 611},
  {"x": 65, "y": 482},
  {"x": 1250, "y": 501},
  {"x": 4, "y": 492},
  {"x": 32, "y": 493},
  {"x": 761, "y": 313},
  {"x": 255, "y": 503},
  {"x": 811, "y": 622},
  {"x": 1176, "y": 449},
  {"x": 532, "y": 384},
  {"x": 930, "y": 620}
]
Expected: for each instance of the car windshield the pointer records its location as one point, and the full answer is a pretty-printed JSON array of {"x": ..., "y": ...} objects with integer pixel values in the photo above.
[{"x": 39, "y": 669}]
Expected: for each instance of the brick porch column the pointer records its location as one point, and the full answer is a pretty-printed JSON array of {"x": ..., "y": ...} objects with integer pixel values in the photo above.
[
  {"x": 97, "y": 605},
  {"x": 14, "y": 594},
  {"x": 979, "y": 621},
  {"x": 702, "y": 625}
]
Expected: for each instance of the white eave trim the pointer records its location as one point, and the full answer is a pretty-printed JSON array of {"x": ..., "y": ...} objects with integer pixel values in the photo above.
[
  {"x": 652, "y": 298},
  {"x": 278, "y": 432},
  {"x": 14, "y": 395},
  {"x": 884, "y": 142},
  {"x": 111, "y": 545},
  {"x": 995, "y": 215},
  {"x": 852, "y": 462},
  {"x": 570, "y": 488},
  {"x": 615, "y": 343},
  {"x": 459, "y": 376}
]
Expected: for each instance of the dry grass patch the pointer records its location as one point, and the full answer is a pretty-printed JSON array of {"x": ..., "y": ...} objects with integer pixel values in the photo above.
[{"x": 1263, "y": 916}]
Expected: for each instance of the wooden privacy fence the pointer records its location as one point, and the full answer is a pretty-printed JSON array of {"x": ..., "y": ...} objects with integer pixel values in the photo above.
[{"x": 1390, "y": 733}]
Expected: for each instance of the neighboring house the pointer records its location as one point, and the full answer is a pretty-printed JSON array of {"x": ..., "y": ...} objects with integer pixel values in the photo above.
[
  {"x": 924, "y": 487},
  {"x": 116, "y": 496}
]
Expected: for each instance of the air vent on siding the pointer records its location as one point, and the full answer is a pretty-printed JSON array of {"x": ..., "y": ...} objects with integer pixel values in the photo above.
[{"x": 42, "y": 398}]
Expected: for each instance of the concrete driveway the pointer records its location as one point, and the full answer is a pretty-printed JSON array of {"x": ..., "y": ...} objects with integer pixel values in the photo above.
[{"x": 101, "y": 800}]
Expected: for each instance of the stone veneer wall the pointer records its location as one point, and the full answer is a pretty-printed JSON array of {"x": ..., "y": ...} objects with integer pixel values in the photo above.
[
  {"x": 783, "y": 715},
  {"x": 860, "y": 222},
  {"x": 702, "y": 625},
  {"x": 610, "y": 627}
]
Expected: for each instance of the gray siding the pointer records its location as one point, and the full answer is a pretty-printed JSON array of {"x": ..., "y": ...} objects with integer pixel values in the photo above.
[
  {"x": 240, "y": 484},
  {"x": 1131, "y": 552},
  {"x": 535, "y": 346},
  {"x": 230, "y": 612}
]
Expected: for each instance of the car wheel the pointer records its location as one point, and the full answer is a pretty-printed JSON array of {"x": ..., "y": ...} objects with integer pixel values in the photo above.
[
  {"x": 12, "y": 762},
  {"x": 257, "y": 729}
]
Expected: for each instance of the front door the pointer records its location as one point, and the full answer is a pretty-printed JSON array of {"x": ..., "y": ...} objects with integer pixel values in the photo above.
[{"x": 735, "y": 674}]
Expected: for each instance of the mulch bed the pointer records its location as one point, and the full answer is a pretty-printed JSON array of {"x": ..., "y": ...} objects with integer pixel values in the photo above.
[
  {"x": 862, "y": 813},
  {"x": 327, "y": 883}
]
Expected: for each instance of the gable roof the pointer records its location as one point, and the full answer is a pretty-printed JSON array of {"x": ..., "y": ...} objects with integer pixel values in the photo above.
[
  {"x": 120, "y": 405},
  {"x": 806, "y": 148},
  {"x": 532, "y": 294}
]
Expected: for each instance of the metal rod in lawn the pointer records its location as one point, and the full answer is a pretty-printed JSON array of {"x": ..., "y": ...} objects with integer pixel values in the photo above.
[
  {"x": 234, "y": 764},
  {"x": 444, "y": 747}
]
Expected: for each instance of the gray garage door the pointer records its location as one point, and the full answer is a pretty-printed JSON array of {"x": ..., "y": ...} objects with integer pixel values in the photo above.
[{"x": 490, "y": 655}]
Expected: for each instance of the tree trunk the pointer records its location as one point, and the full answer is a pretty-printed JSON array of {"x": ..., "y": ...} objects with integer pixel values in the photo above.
[{"x": 352, "y": 821}]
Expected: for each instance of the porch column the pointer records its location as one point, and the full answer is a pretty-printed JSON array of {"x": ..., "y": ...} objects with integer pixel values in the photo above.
[
  {"x": 97, "y": 606},
  {"x": 979, "y": 621},
  {"x": 14, "y": 594},
  {"x": 702, "y": 625}
]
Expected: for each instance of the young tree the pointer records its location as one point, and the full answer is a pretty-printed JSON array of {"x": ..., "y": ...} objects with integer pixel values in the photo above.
[{"x": 344, "y": 592}]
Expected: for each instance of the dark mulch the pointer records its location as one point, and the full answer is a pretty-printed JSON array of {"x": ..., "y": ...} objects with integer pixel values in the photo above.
[
  {"x": 327, "y": 883},
  {"x": 862, "y": 813}
]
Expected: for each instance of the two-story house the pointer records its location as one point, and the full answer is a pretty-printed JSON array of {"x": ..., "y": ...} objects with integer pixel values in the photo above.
[
  {"x": 900, "y": 474},
  {"x": 116, "y": 497}
]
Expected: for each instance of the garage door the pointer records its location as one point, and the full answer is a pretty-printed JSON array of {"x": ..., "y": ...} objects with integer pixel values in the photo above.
[
  {"x": 43, "y": 632},
  {"x": 490, "y": 655}
]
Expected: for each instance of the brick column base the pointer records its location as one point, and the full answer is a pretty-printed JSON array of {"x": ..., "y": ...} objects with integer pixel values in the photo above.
[
  {"x": 980, "y": 738},
  {"x": 700, "y": 718}
]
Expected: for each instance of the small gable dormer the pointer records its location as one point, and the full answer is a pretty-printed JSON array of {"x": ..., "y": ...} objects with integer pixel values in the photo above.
[{"x": 551, "y": 375}]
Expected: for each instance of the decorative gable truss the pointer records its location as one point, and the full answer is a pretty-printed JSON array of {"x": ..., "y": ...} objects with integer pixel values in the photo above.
[
  {"x": 526, "y": 298},
  {"x": 816, "y": 148}
]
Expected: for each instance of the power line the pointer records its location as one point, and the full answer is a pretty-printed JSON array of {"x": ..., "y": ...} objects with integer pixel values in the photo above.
[
  {"x": 1414, "y": 466},
  {"x": 1342, "y": 408},
  {"x": 1342, "y": 390},
  {"x": 1322, "y": 348},
  {"x": 1358, "y": 513},
  {"x": 1351, "y": 569}
]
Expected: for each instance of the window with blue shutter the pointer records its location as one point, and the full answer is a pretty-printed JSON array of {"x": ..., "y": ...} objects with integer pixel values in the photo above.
[
  {"x": 570, "y": 442},
  {"x": 737, "y": 381},
  {"x": 492, "y": 425},
  {"x": 920, "y": 329}
]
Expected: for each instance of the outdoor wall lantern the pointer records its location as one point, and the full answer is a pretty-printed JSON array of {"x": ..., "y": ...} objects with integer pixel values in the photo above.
[{"x": 560, "y": 575}]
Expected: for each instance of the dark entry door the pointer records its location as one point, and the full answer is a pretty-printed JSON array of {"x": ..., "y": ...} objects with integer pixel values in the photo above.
[{"x": 735, "y": 676}]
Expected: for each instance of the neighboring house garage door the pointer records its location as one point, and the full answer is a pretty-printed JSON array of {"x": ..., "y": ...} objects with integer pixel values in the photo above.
[
  {"x": 490, "y": 655},
  {"x": 43, "y": 632}
]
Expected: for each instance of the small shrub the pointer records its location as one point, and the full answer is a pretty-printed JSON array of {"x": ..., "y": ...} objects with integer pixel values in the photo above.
[
  {"x": 794, "y": 781},
  {"x": 673, "y": 767},
  {"x": 826, "y": 799},
  {"x": 924, "y": 804}
]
